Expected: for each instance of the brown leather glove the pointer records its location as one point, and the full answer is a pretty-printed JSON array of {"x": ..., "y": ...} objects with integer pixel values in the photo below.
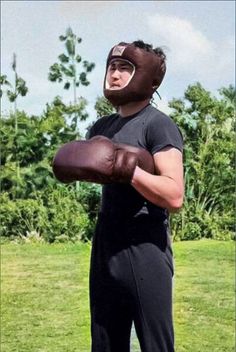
[{"x": 99, "y": 160}]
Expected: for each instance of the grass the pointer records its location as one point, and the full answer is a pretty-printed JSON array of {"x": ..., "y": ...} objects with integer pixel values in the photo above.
[
  {"x": 204, "y": 296},
  {"x": 44, "y": 298},
  {"x": 45, "y": 306}
]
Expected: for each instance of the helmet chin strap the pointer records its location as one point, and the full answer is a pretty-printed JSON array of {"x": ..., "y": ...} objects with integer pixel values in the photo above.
[
  {"x": 152, "y": 100},
  {"x": 158, "y": 94}
]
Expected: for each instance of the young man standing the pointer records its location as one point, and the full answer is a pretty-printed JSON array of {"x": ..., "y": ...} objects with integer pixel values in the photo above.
[{"x": 136, "y": 154}]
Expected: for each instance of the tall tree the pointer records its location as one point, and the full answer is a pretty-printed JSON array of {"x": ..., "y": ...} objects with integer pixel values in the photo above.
[
  {"x": 66, "y": 70},
  {"x": 18, "y": 88}
]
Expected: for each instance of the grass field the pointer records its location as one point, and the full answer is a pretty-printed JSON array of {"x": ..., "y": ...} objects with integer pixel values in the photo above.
[{"x": 45, "y": 307}]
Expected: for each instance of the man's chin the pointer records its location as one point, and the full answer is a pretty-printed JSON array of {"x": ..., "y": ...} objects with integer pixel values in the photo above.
[{"x": 115, "y": 88}]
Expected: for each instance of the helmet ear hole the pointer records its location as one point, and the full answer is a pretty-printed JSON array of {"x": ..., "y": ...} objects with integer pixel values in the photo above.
[{"x": 155, "y": 84}]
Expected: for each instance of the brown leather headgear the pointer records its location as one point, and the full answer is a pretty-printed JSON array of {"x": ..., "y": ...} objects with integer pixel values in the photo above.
[{"x": 149, "y": 72}]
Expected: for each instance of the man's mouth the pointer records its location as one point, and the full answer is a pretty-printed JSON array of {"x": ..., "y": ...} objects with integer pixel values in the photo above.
[{"x": 115, "y": 86}]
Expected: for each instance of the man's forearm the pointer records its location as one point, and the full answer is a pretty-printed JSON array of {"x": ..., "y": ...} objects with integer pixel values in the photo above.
[{"x": 163, "y": 191}]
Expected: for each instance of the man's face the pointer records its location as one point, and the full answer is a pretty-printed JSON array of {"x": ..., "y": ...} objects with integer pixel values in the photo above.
[{"x": 119, "y": 74}]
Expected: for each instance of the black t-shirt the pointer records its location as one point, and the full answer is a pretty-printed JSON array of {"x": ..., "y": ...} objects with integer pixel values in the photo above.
[{"x": 149, "y": 129}]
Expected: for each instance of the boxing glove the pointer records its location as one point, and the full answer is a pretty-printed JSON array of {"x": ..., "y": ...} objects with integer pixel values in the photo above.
[{"x": 99, "y": 160}]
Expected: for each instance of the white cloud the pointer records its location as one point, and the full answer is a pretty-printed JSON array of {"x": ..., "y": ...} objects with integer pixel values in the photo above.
[
  {"x": 191, "y": 53},
  {"x": 182, "y": 39}
]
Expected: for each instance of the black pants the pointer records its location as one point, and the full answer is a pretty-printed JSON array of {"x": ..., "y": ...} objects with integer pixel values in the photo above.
[{"x": 131, "y": 281}]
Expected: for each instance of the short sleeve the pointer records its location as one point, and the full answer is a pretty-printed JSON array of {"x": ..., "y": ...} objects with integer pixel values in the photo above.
[
  {"x": 97, "y": 128},
  {"x": 160, "y": 132},
  {"x": 90, "y": 133}
]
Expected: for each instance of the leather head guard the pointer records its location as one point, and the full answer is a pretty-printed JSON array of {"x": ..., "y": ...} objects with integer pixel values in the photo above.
[{"x": 149, "y": 71}]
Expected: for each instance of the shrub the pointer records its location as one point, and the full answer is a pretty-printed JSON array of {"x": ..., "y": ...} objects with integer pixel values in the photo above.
[
  {"x": 56, "y": 215},
  {"x": 67, "y": 219},
  {"x": 89, "y": 195},
  {"x": 21, "y": 216},
  {"x": 194, "y": 222}
]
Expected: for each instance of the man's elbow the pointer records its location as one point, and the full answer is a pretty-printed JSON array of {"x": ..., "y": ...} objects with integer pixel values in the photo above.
[{"x": 175, "y": 204}]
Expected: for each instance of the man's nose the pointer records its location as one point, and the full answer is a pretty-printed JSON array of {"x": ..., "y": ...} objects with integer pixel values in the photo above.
[{"x": 115, "y": 73}]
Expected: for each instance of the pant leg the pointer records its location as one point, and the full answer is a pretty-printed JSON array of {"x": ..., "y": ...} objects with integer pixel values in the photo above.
[
  {"x": 153, "y": 303},
  {"x": 152, "y": 267},
  {"x": 111, "y": 313},
  {"x": 111, "y": 322}
]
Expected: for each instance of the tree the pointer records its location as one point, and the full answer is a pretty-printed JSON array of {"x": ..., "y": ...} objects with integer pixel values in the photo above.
[
  {"x": 26, "y": 157},
  {"x": 67, "y": 69},
  {"x": 103, "y": 107},
  {"x": 207, "y": 126},
  {"x": 18, "y": 88},
  {"x": 229, "y": 93},
  {"x": 3, "y": 81}
]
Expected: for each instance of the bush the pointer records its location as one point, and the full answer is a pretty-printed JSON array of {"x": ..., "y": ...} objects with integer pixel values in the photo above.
[
  {"x": 21, "y": 216},
  {"x": 55, "y": 215},
  {"x": 67, "y": 219},
  {"x": 194, "y": 223},
  {"x": 89, "y": 194}
]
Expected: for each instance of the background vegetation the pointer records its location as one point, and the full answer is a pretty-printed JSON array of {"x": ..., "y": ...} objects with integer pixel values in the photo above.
[{"x": 33, "y": 205}]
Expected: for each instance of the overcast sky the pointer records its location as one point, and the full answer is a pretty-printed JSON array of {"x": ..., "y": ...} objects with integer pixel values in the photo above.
[{"x": 198, "y": 38}]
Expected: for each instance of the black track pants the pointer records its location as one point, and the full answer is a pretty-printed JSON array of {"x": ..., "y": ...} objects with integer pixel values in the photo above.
[{"x": 131, "y": 281}]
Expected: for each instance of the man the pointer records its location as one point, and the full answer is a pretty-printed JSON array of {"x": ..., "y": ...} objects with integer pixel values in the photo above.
[{"x": 136, "y": 154}]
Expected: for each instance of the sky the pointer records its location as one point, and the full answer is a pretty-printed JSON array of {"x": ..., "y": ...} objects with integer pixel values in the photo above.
[{"x": 198, "y": 38}]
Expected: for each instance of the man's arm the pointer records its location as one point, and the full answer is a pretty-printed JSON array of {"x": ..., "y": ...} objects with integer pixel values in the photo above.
[{"x": 166, "y": 189}]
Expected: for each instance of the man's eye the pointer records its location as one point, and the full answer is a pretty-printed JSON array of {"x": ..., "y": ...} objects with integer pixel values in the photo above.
[{"x": 124, "y": 67}]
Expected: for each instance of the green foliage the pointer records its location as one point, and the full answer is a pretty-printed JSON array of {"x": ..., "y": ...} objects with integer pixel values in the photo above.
[
  {"x": 67, "y": 219},
  {"x": 3, "y": 81},
  {"x": 56, "y": 216},
  {"x": 207, "y": 126},
  {"x": 27, "y": 153},
  {"x": 18, "y": 88},
  {"x": 67, "y": 69},
  {"x": 21, "y": 216},
  {"x": 55, "y": 213},
  {"x": 103, "y": 107},
  {"x": 89, "y": 195},
  {"x": 29, "y": 144}
]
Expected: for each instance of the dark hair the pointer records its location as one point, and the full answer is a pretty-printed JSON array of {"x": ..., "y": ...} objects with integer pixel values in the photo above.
[{"x": 148, "y": 47}]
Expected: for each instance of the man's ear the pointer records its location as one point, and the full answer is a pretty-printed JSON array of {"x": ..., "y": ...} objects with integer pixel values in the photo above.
[{"x": 155, "y": 84}]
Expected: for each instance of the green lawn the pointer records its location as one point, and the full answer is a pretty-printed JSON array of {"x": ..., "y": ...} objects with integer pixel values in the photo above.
[{"x": 45, "y": 307}]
